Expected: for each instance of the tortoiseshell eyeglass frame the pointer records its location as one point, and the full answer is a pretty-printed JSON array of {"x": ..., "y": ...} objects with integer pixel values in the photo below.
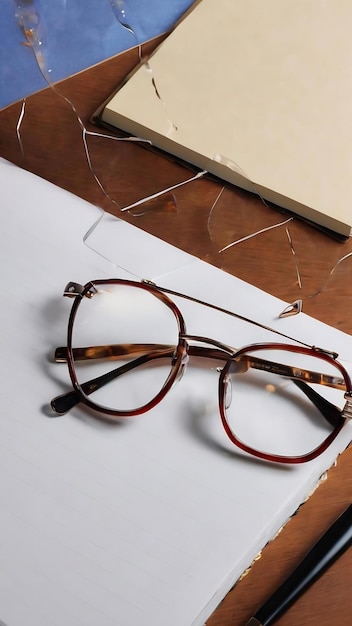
[{"x": 233, "y": 359}]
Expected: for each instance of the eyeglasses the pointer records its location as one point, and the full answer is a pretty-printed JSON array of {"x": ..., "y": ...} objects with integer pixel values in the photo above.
[{"x": 277, "y": 401}]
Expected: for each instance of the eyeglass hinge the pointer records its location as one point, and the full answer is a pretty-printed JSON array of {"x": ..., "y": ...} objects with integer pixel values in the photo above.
[
  {"x": 331, "y": 353},
  {"x": 76, "y": 289},
  {"x": 347, "y": 409}
]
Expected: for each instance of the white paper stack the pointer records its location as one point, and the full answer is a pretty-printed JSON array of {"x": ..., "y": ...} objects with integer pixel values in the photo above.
[{"x": 148, "y": 522}]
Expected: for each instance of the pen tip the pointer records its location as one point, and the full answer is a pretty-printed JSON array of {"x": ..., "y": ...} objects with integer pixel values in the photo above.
[{"x": 254, "y": 622}]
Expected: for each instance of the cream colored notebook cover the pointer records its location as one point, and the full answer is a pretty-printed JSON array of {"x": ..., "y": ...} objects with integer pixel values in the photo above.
[{"x": 258, "y": 93}]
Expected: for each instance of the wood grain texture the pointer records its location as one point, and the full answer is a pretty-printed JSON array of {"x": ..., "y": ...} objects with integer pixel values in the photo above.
[{"x": 276, "y": 260}]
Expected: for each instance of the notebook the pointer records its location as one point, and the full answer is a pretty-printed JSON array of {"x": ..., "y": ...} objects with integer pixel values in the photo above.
[
  {"x": 257, "y": 93},
  {"x": 149, "y": 522}
]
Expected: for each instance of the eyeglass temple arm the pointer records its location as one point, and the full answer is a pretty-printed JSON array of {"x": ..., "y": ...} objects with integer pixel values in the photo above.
[
  {"x": 118, "y": 351},
  {"x": 245, "y": 362},
  {"x": 240, "y": 364},
  {"x": 331, "y": 412},
  {"x": 111, "y": 352},
  {"x": 67, "y": 401},
  {"x": 63, "y": 403}
]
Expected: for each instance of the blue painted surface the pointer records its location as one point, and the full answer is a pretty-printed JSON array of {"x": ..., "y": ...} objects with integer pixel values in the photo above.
[{"x": 75, "y": 34}]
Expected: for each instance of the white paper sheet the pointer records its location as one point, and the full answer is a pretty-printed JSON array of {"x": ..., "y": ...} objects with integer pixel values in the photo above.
[{"x": 148, "y": 522}]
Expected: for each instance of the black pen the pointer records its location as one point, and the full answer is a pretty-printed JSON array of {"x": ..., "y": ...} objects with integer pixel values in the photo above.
[{"x": 336, "y": 540}]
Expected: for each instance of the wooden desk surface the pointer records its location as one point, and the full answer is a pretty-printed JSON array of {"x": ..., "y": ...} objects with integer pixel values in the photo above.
[{"x": 291, "y": 261}]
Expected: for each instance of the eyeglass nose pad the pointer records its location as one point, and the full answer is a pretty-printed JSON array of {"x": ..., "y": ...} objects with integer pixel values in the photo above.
[
  {"x": 184, "y": 363},
  {"x": 228, "y": 391}
]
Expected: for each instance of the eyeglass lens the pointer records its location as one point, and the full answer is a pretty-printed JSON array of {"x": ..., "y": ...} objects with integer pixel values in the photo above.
[
  {"x": 284, "y": 411},
  {"x": 129, "y": 338}
]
